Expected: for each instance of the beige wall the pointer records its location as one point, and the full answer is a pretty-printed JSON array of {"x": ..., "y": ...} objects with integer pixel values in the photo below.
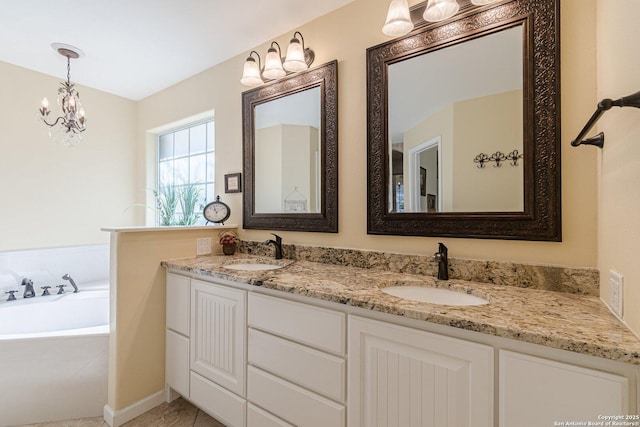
[
  {"x": 52, "y": 195},
  {"x": 345, "y": 35},
  {"x": 285, "y": 166},
  {"x": 136, "y": 342},
  {"x": 487, "y": 124},
  {"x": 618, "y": 62}
]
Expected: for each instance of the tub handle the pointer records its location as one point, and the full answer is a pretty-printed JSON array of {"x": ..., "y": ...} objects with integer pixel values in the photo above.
[
  {"x": 61, "y": 289},
  {"x": 12, "y": 297},
  {"x": 46, "y": 290}
]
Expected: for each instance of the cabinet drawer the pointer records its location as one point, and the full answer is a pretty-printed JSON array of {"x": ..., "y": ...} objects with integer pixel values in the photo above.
[
  {"x": 177, "y": 363},
  {"x": 256, "y": 417},
  {"x": 178, "y": 300},
  {"x": 314, "y": 326},
  {"x": 294, "y": 404},
  {"x": 312, "y": 369},
  {"x": 217, "y": 402}
]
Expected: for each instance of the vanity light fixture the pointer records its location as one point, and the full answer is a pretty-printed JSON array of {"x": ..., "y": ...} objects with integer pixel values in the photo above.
[
  {"x": 68, "y": 127},
  {"x": 273, "y": 63},
  {"x": 298, "y": 58},
  {"x": 439, "y": 10},
  {"x": 251, "y": 73},
  {"x": 399, "y": 22}
]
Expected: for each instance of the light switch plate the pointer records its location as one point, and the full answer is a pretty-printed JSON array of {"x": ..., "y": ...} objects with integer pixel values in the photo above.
[
  {"x": 616, "y": 293},
  {"x": 203, "y": 246}
]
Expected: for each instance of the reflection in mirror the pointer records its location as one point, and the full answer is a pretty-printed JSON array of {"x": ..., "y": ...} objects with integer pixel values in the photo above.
[
  {"x": 287, "y": 154},
  {"x": 445, "y": 108}
]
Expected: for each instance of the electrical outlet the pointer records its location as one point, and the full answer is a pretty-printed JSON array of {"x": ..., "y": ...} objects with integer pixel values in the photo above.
[
  {"x": 616, "y": 293},
  {"x": 203, "y": 246}
]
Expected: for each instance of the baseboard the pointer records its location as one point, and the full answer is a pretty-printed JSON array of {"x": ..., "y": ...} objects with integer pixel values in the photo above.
[{"x": 121, "y": 416}]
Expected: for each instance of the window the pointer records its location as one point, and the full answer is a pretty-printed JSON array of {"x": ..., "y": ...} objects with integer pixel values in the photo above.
[{"x": 186, "y": 173}]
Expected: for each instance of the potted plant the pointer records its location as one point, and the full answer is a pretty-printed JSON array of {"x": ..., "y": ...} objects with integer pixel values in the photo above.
[{"x": 228, "y": 240}]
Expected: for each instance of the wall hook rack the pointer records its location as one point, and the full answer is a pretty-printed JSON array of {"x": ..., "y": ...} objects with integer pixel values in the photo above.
[
  {"x": 604, "y": 105},
  {"x": 498, "y": 157}
]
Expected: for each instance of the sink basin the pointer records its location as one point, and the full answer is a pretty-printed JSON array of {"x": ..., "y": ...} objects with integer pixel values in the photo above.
[
  {"x": 252, "y": 267},
  {"x": 434, "y": 295}
]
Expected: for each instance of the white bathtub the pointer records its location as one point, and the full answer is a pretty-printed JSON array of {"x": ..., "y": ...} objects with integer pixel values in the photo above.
[{"x": 54, "y": 356}]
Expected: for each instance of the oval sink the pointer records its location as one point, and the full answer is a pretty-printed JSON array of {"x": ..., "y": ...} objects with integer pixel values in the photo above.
[
  {"x": 252, "y": 267},
  {"x": 434, "y": 295}
]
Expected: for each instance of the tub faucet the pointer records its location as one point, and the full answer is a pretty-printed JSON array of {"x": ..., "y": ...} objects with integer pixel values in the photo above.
[
  {"x": 442, "y": 258},
  {"x": 12, "y": 297},
  {"x": 67, "y": 277},
  {"x": 29, "y": 292},
  {"x": 277, "y": 244}
]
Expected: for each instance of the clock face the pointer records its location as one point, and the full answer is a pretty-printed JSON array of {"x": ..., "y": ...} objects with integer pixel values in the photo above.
[{"x": 216, "y": 211}]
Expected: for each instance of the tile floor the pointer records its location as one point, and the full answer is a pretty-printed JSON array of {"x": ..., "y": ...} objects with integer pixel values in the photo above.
[{"x": 178, "y": 413}]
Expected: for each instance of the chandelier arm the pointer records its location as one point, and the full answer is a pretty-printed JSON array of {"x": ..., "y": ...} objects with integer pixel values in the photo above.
[{"x": 54, "y": 123}]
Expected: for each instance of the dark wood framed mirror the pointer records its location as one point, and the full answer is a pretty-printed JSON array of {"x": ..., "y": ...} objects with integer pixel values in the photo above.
[
  {"x": 484, "y": 82},
  {"x": 290, "y": 152}
]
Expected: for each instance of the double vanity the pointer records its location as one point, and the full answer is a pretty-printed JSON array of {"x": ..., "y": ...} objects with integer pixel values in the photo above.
[
  {"x": 255, "y": 341},
  {"x": 260, "y": 342}
]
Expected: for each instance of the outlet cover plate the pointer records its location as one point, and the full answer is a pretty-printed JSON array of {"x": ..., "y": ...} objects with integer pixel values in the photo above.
[
  {"x": 616, "y": 293},
  {"x": 203, "y": 246}
]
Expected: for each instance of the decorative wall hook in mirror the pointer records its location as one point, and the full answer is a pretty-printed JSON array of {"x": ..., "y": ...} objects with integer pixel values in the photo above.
[
  {"x": 632, "y": 100},
  {"x": 298, "y": 58},
  {"x": 498, "y": 157}
]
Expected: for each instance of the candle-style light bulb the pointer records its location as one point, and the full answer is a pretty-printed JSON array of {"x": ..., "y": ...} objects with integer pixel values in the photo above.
[{"x": 45, "y": 104}]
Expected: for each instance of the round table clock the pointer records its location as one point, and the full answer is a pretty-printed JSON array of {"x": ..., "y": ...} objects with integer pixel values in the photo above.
[{"x": 217, "y": 212}]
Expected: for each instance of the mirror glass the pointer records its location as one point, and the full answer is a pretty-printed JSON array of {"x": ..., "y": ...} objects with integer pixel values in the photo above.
[
  {"x": 290, "y": 152},
  {"x": 287, "y": 154},
  {"x": 448, "y": 107}
]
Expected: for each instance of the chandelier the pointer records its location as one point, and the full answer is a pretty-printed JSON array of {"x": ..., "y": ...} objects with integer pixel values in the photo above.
[{"x": 67, "y": 128}]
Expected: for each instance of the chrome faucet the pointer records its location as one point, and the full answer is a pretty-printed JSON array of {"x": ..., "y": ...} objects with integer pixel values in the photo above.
[
  {"x": 67, "y": 277},
  {"x": 442, "y": 257},
  {"x": 29, "y": 292},
  {"x": 277, "y": 244}
]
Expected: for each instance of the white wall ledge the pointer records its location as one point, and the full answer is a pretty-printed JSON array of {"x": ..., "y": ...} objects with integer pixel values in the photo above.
[{"x": 171, "y": 228}]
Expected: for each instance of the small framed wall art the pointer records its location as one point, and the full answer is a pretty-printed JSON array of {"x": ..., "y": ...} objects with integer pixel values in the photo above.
[{"x": 233, "y": 183}]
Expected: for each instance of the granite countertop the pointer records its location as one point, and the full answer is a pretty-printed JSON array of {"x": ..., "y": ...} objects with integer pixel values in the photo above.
[{"x": 577, "y": 323}]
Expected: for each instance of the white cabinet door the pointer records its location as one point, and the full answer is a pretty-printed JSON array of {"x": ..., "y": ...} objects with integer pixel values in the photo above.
[
  {"x": 178, "y": 303},
  {"x": 177, "y": 363},
  {"x": 404, "y": 377},
  {"x": 538, "y": 392},
  {"x": 218, "y": 334}
]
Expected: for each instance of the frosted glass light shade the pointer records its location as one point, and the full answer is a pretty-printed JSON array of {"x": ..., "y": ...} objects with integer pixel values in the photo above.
[
  {"x": 398, "y": 21},
  {"x": 273, "y": 65},
  {"x": 482, "y": 2},
  {"x": 251, "y": 73},
  {"x": 439, "y": 10},
  {"x": 294, "y": 61}
]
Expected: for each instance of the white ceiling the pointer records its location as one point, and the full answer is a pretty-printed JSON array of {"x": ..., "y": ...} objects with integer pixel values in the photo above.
[
  {"x": 134, "y": 48},
  {"x": 425, "y": 84}
]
